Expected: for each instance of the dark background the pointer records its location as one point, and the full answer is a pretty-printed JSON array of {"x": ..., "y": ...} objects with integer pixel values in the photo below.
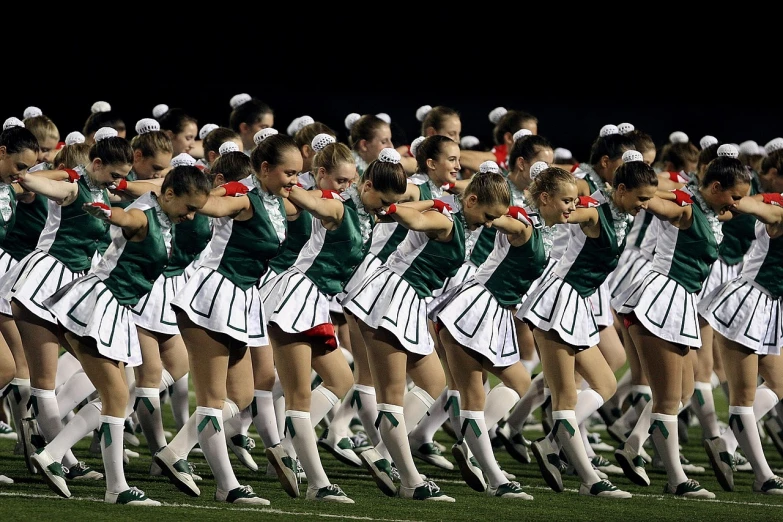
[{"x": 574, "y": 85}]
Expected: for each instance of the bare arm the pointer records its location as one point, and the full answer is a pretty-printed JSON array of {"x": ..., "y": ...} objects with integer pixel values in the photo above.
[
  {"x": 668, "y": 210},
  {"x": 433, "y": 223},
  {"x": 134, "y": 189},
  {"x": 518, "y": 231},
  {"x": 327, "y": 210},
  {"x": 132, "y": 221},
  {"x": 764, "y": 212},
  {"x": 61, "y": 191},
  {"x": 238, "y": 207}
]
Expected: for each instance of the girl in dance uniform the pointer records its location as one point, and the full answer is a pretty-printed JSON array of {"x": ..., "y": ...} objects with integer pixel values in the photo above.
[
  {"x": 390, "y": 308},
  {"x": 94, "y": 312},
  {"x": 660, "y": 310}
]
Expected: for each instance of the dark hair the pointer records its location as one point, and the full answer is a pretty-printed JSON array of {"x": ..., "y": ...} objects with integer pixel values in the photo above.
[
  {"x": 151, "y": 143},
  {"x": 612, "y": 145},
  {"x": 233, "y": 165},
  {"x": 489, "y": 189},
  {"x": 430, "y": 147},
  {"x": 16, "y": 139},
  {"x": 175, "y": 120},
  {"x": 271, "y": 150},
  {"x": 678, "y": 154},
  {"x": 217, "y": 137},
  {"x": 436, "y": 118},
  {"x": 527, "y": 147},
  {"x": 250, "y": 112},
  {"x": 386, "y": 176},
  {"x": 635, "y": 174},
  {"x": 364, "y": 129},
  {"x": 726, "y": 171},
  {"x": 305, "y": 135},
  {"x": 641, "y": 140},
  {"x": 186, "y": 179},
  {"x": 96, "y": 120},
  {"x": 112, "y": 151},
  {"x": 707, "y": 154},
  {"x": 510, "y": 122},
  {"x": 774, "y": 160}
]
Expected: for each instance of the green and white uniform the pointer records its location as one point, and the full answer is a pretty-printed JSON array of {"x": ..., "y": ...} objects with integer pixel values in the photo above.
[
  {"x": 64, "y": 250},
  {"x": 7, "y": 219},
  {"x": 747, "y": 309},
  {"x": 98, "y": 305},
  {"x": 394, "y": 296},
  {"x": 298, "y": 300},
  {"x": 222, "y": 295},
  {"x": 664, "y": 301},
  {"x": 636, "y": 259},
  {"x": 153, "y": 312},
  {"x": 480, "y": 312},
  {"x": 563, "y": 301}
]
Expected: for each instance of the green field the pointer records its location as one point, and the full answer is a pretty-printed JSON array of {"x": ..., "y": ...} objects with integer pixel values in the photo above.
[{"x": 30, "y": 499}]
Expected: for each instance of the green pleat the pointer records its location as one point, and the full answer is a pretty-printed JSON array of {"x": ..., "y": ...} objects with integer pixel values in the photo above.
[
  {"x": 564, "y": 423},
  {"x": 289, "y": 427},
  {"x": 473, "y": 424},
  {"x": 146, "y": 401},
  {"x": 356, "y": 398},
  {"x": 207, "y": 420},
  {"x": 452, "y": 403},
  {"x": 389, "y": 415},
  {"x": 105, "y": 432},
  {"x": 738, "y": 420},
  {"x": 661, "y": 426}
]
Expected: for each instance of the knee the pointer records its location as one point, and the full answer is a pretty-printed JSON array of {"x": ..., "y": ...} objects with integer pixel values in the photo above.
[
  {"x": 242, "y": 398},
  {"x": 7, "y": 373},
  {"x": 149, "y": 376},
  {"x": 605, "y": 389}
]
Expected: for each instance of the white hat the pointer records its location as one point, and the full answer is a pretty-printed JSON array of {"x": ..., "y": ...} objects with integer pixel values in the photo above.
[
  {"x": 74, "y": 137},
  {"x": 32, "y": 112},
  {"x": 632, "y": 155},
  {"x": 608, "y": 129},
  {"x": 749, "y": 148},
  {"x": 728, "y": 150},
  {"x": 239, "y": 99},
  {"x": 625, "y": 128},
  {"x": 206, "y": 129},
  {"x": 468, "y": 142},
  {"x": 489, "y": 166},
  {"x": 321, "y": 141},
  {"x": 263, "y": 134},
  {"x": 228, "y": 146},
  {"x": 105, "y": 132},
  {"x": 562, "y": 155},
  {"x": 707, "y": 141},
  {"x": 146, "y": 125},
  {"x": 422, "y": 111},
  {"x": 100, "y": 106},
  {"x": 385, "y": 117},
  {"x": 183, "y": 158},
  {"x": 159, "y": 110},
  {"x": 497, "y": 113},
  {"x": 678, "y": 137},
  {"x": 415, "y": 145},
  {"x": 773, "y": 144},
  {"x": 13, "y": 121},
  {"x": 389, "y": 155},
  {"x": 521, "y": 133},
  {"x": 351, "y": 119},
  {"x": 537, "y": 168}
]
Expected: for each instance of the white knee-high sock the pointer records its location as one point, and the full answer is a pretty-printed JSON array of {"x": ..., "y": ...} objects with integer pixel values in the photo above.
[
  {"x": 147, "y": 407},
  {"x": 186, "y": 438},
  {"x": 322, "y": 401},
  {"x": 474, "y": 433},
  {"x": 743, "y": 424},
  {"x": 500, "y": 400},
  {"x": 589, "y": 451},
  {"x": 179, "y": 400},
  {"x": 300, "y": 429},
  {"x": 77, "y": 388},
  {"x": 664, "y": 435},
  {"x": 82, "y": 424},
  {"x": 43, "y": 404},
  {"x": 587, "y": 402},
  {"x": 763, "y": 403},
  {"x": 340, "y": 425},
  {"x": 113, "y": 452},
  {"x": 367, "y": 409},
  {"x": 641, "y": 430},
  {"x": 425, "y": 430},
  {"x": 278, "y": 400},
  {"x": 213, "y": 442},
  {"x": 641, "y": 394},
  {"x": 454, "y": 409},
  {"x": 67, "y": 365},
  {"x": 568, "y": 437},
  {"x": 239, "y": 423},
  {"x": 416, "y": 403},
  {"x": 391, "y": 424},
  {"x": 703, "y": 404},
  {"x": 546, "y": 407},
  {"x": 18, "y": 397},
  {"x": 532, "y": 399},
  {"x": 263, "y": 412},
  {"x": 623, "y": 389}
]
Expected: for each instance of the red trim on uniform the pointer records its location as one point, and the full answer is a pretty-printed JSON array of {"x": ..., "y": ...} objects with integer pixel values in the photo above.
[
  {"x": 574, "y": 167},
  {"x": 60, "y": 145},
  {"x": 325, "y": 333},
  {"x": 72, "y": 175}
]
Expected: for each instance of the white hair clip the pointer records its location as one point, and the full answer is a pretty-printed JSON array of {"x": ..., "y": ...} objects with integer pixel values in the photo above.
[
  {"x": 562, "y": 154},
  {"x": 206, "y": 129},
  {"x": 678, "y": 137},
  {"x": 228, "y": 146},
  {"x": 321, "y": 141},
  {"x": 728, "y": 150},
  {"x": 632, "y": 155},
  {"x": 105, "y": 132},
  {"x": 159, "y": 110},
  {"x": 422, "y": 111},
  {"x": 749, "y": 148},
  {"x": 145, "y": 125},
  {"x": 183, "y": 159},
  {"x": 32, "y": 112},
  {"x": 303, "y": 122},
  {"x": 415, "y": 145},
  {"x": 100, "y": 106},
  {"x": 468, "y": 142},
  {"x": 497, "y": 113},
  {"x": 537, "y": 168},
  {"x": 385, "y": 117},
  {"x": 489, "y": 166},
  {"x": 239, "y": 99},
  {"x": 389, "y": 155},
  {"x": 74, "y": 137},
  {"x": 625, "y": 128},
  {"x": 13, "y": 121},
  {"x": 263, "y": 134},
  {"x": 521, "y": 133},
  {"x": 771, "y": 146},
  {"x": 608, "y": 130},
  {"x": 707, "y": 141},
  {"x": 351, "y": 119}
]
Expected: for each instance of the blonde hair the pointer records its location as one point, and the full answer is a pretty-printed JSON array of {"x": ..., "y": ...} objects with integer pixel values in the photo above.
[
  {"x": 73, "y": 155},
  {"x": 43, "y": 128},
  {"x": 332, "y": 155},
  {"x": 489, "y": 188},
  {"x": 549, "y": 181}
]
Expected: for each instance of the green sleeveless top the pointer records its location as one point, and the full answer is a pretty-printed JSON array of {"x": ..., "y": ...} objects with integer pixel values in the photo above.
[
  {"x": 190, "y": 240},
  {"x": 296, "y": 236},
  {"x": 7, "y": 210},
  {"x": 30, "y": 220}
]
